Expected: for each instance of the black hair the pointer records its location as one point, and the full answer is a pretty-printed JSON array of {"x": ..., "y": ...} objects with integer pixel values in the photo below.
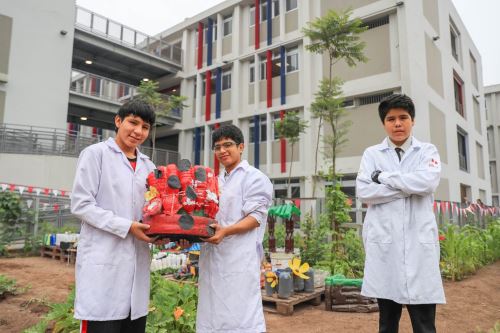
[
  {"x": 396, "y": 101},
  {"x": 138, "y": 108},
  {"x": 227, "y": 132}
]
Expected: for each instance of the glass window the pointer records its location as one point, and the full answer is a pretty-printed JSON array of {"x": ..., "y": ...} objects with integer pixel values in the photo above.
[
  {"x": 291, "y": 5},
  {"x": 252, "y": 72},
  {"x": 226, "y": 80},
  {"x": 462, "y": 150},
  {"x": 455, "y": 41},
  {"x": 263, "y": 130},
  {"x": 292, "y": 60},
  {"x": 228, "y": 26},
  {"x": 252, "y": 16},
  {"x": 459, "y": 101}
]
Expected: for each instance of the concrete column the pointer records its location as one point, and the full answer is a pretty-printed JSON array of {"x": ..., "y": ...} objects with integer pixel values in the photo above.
[
  {"x": 237, "y": 17},
  {"x": 236, "y": 84},
  {"x": 206, "y": 147},
  {"x": 256, "y": 82},
  {"x": 186, "y": 49},
  {"x": 220, "y": 25},
  {"x": 282, "y": 20},
  {"x": 199, "y": 88},
  {"x": 269, "y": 141}
]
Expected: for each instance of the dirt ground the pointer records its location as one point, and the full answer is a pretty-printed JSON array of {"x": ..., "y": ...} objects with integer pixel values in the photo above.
[{"x": 472, "y": 304}]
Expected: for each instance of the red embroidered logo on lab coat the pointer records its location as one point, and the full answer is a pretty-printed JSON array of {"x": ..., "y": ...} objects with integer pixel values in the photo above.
[{"x": 433, "y": 163}]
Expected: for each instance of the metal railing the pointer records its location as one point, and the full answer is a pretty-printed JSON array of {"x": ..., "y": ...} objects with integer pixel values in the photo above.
[
  {"x": 100, "y": 87},
  {"x": 119, "y": 33},
  {"x": 22, "y": 139}
]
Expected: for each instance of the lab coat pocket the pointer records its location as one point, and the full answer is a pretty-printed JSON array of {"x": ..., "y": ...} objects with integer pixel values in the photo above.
[
  {"x": 380, "y": 230},
  {"x": 427, "y": 231}
]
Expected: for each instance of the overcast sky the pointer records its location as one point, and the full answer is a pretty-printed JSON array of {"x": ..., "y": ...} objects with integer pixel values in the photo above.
[{"x": 153, "y": 16}]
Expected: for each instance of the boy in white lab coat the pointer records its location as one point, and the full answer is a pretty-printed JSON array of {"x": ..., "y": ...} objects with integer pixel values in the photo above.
[
  {"x": 112, "y": 267},
  {"x": 397, "y": 179}
]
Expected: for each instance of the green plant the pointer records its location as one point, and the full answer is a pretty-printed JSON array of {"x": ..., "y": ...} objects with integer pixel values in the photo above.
[
  {"x": 313, "y": 244},
  {"x": 7, "y": 287},
  {"x": 290, "y": 127},
  {"x": 349, "y": 260},
  {"x": 172, "y": 306},
  {"x": 495, "y": 329},
  {"x": 464, "y": 250},
  {"x": 11, "y": 225},
  {"x": 162, "y": 105},
  {"x": 338, "y": 35}
]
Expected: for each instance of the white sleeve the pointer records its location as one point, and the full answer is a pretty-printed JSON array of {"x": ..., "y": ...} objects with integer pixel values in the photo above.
[
  {"x": 257, "y": 197},
  {"x": 423, "y": 181},
  {"x": 370, "y": 192},
  {"x": 83, "y": 196}
]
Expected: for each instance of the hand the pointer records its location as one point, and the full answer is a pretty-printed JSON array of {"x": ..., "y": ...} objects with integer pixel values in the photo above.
[
  {"x": 220, "y": 233},
  {"x": 375, "y": 175},
  {"x": 138, "y": 231}
]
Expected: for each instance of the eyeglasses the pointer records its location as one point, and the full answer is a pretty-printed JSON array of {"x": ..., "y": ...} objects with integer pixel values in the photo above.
[{"x": 225, "y": 145}]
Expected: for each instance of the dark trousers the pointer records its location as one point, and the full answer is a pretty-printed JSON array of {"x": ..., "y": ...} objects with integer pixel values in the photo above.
[
  {"x": 116, "y": 326},
  {"x": 423, "y": 316}
]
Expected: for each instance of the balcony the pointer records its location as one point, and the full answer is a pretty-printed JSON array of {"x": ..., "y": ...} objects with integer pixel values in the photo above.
[
  {"x": 21, "y": 139},
  {"x": 108, "y": 48},
  {"x": 98, "y": 99}
]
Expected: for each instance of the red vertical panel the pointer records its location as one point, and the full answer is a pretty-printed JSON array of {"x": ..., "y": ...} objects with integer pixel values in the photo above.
[
  {"x": 94, "y": 132},
  {"x": 257, "y": 24},
  {"x": 216, "y": 161},
  {"x": 283, "y": 147},
  {"x": 208, "y": 95},
  {"x": 92, "y": 85},
  {"x": 269, "y": 74},
  {"x": 200, "y": 45}
]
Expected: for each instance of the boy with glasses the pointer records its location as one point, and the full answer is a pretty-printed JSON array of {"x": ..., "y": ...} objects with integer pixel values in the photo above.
[{"x": 229, "y": 282}]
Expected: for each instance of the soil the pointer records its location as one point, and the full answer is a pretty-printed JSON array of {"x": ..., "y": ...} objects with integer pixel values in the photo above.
[{"x": 472, "y": 304}]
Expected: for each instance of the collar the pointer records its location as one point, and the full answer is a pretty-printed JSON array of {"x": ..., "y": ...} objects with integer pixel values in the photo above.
[
  {"x": 412, "y": 142},
  {"x": 111, "y": 143},
  {"x": 242, "y": 165},
  {"x": 405, "y": 146}
]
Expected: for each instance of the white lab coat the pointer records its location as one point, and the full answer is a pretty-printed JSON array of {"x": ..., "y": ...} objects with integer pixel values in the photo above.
[
  {"x": 400, "y": 233},
  {"x": 112, "y": 267},
  {"x": 229, "y": 283}
]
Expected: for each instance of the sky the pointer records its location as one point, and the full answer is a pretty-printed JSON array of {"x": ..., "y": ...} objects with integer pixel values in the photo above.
[{"x": 154, "y": 16}]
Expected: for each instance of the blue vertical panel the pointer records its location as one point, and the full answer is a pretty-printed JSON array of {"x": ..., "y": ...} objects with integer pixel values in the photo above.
[
  {"x": 197, "y": 145},
  {"x": 218, "y": 88},
  {"x": 209, "y": 41},
  {"x": 269, "y": 22},
  {"x": 282, "y": 74},
  {"x": 256, "y": 136}
]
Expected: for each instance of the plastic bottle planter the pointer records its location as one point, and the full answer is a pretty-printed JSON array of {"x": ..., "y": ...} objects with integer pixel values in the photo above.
[
  {"x": 309, "y": 284},
  {"x": 298, "y": 283},
  {"x": 285, "y": 286},
  {"x": 269, "y": 290}
]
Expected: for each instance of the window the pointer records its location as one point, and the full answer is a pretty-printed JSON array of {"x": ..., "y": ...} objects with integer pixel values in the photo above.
[
  {"x": 473, "y": 69},
  {"x": 491, "y": 142},
  {"x": 292, "y": 60},
  {"x": 262, "y": 130},
  {"x": 252, "y": 72},
  {"x": 459, "y": 99},
  {"x": 226, "y": 80},
  {"x": 291, "y": 5},
  {"x": 377, "y": 22},
  {"x": 212, "y": 85},
  {"x": 348, "y": 103},
  {"x": 372, "y": 99},
  {"x": 274, "y": 12},
  {"x": 462, "y": 150},
  {"x": 455, "y": 41},
  {"x": 228, "y": 26},
  {"x": 252, "y": 16}
]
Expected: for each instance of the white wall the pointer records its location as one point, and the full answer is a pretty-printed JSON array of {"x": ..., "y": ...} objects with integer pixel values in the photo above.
[
  {"x": 55, "y": 172},
  {"x": 37, "y": 90}
]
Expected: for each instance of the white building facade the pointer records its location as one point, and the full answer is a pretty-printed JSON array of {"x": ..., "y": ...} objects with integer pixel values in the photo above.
[
  {"x": 419, "y": 47},
  {"x": 492, "y": 97}
]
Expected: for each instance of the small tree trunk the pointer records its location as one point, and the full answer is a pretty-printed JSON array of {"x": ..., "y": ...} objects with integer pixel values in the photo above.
[
  {"x": 316, "y": 157},
  {"x": 290, "y": 172}
]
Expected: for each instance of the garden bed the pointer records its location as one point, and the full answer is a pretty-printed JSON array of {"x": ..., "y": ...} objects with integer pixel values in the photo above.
[{"x": 472, "y": 303}]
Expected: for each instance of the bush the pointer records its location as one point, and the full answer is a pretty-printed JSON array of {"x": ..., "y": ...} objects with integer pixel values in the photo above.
[
  {"x": 465, "y": 250},
  {"x": 172, "y": 308},
  {"x": 7, "y": 287}
]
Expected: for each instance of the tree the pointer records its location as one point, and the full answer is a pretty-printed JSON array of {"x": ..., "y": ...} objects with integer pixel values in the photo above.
[
  {"x": 162, "y": 105},
  {"x": 290, "y": 127},
  {"x": 339, "y": 36}
]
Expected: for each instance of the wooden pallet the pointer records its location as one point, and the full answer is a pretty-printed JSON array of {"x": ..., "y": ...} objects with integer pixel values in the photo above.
[
  {"x": 285, "y": 306},
  {"x": 55, "y": 252}
]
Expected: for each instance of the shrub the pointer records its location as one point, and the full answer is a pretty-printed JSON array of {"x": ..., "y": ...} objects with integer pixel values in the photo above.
[{"x": 7, "y": 287}]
